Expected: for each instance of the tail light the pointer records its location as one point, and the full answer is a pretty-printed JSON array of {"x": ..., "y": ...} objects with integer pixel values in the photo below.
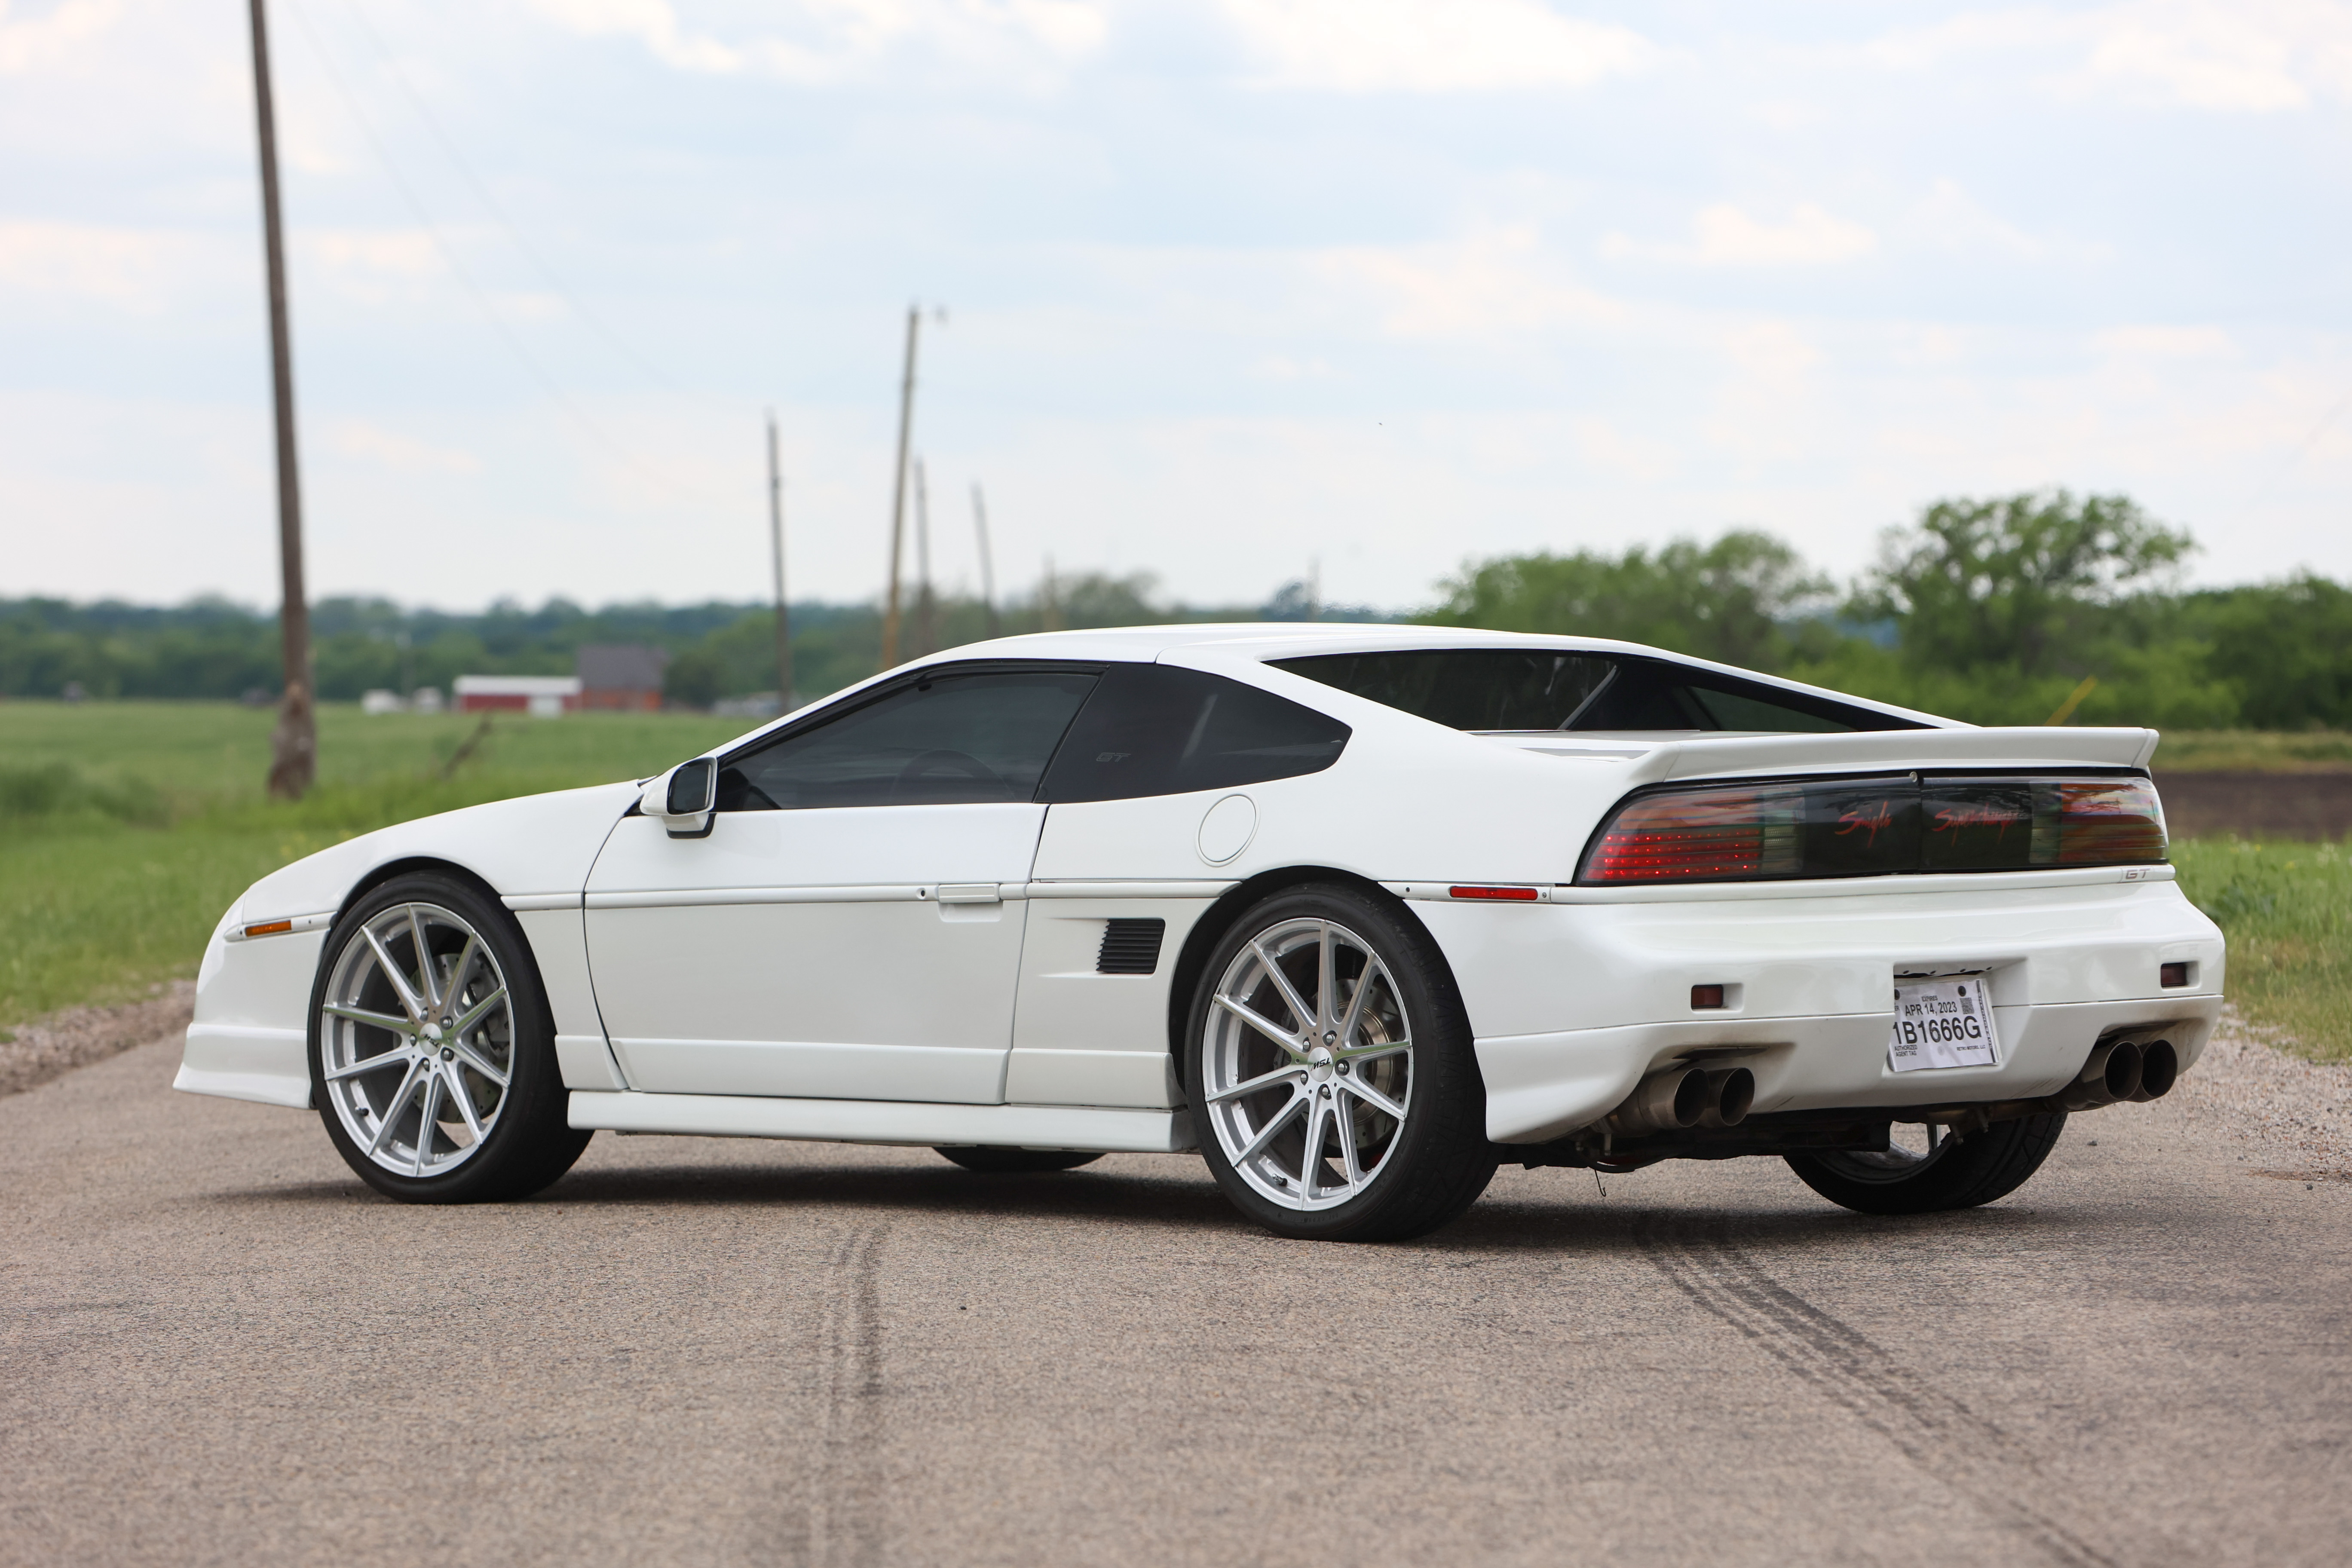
[{"x": 1875, "y": 827}]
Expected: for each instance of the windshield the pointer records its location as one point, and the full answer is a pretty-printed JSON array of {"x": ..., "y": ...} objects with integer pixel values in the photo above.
[{"x": 1537, "y": 689}]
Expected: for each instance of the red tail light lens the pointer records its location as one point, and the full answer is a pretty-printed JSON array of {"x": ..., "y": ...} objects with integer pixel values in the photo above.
[{"x": 1875, "y": 826}]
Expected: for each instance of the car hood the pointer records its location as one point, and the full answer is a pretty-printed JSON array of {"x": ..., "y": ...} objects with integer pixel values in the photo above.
[{"x": 532, "y": 846}]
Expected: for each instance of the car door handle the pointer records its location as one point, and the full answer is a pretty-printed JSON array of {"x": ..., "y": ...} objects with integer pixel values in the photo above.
[{"x": 970, "y": 893}]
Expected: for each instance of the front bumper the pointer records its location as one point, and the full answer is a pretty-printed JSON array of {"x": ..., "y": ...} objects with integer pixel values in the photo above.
[{"x": 1572, "y": 1002}]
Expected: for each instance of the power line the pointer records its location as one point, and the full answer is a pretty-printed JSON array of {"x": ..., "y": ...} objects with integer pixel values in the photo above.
[
  {"x": 481, "y": 189},
  {"x": 433, "y": 235}
]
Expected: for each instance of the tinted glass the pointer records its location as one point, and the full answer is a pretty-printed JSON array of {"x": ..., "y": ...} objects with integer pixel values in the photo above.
[
  {"x": 949, "y": 739},
  {"x": 1152, "y": 729},
  {"x": 1466, "y": 689},
  {"x": 1482, "y": 688}
]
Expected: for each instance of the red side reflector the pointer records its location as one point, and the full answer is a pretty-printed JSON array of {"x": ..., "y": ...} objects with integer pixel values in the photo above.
[
  {"x": 1705, "y": 996},
  {"x": 1519, "y": 895},
  {"x": 269, "y": 928}
]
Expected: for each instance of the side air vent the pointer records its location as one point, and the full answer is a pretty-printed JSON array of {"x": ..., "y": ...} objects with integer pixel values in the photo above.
[{"x": 1130, "y": 947}]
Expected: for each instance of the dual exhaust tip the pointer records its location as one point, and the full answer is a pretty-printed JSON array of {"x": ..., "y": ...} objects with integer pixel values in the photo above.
[
  {"x": 1682, "y": 1098},
  {"x": 2118, "y": 1070}
]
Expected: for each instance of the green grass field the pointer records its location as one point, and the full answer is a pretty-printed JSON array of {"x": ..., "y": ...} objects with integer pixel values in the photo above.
[{"x": 126, "y": 829}]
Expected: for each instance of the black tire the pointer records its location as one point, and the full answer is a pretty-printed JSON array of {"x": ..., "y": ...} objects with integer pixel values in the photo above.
[
  {"x": 1013, "y": 1162},
  {"x": 1437, "y": 1161},
  {"x": 530, "y": 1144},
  {"x": 1962, "y": 1172}
]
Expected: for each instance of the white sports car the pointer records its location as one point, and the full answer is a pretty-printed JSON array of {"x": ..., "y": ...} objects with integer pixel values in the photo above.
[{"x": 1356, "y": 911}]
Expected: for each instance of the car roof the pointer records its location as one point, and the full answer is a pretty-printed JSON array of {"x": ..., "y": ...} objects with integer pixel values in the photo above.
[{"x": 1243, "y": 642}]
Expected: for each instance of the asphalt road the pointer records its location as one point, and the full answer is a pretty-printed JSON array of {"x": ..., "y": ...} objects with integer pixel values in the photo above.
[{"x": 219, "y": 1347}]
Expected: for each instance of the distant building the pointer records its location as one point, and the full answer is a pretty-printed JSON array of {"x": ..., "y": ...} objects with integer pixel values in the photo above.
[
  {"x": 541, "y": 696},
  {"x": 625, "y": 675}
]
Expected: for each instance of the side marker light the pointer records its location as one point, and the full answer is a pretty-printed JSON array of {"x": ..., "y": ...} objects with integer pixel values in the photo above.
[
  {"x": 1705, "y": 996},
  {"x": 1515, "y": 895},
  {"x": 269, "y": 928},
  {"x": 2172, "y": 975}
]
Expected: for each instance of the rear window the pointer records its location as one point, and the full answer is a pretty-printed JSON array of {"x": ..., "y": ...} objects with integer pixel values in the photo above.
[{"x": 1529, "y": 689}]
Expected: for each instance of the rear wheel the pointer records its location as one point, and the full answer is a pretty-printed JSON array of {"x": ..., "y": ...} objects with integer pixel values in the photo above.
[
  {"x": 1330, "y": 1072},
  {"x": 432, "y": 1057},
  {"x": 1927, "y": 1168},
  {"x": 1013, "y": 1162}
]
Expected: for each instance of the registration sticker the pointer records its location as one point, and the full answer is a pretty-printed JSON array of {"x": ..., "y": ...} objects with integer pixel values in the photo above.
[{"x": 1943, "y": 1024}]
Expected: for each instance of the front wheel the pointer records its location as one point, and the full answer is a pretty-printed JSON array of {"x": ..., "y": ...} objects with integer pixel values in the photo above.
[
  {"x": 432, "y": 1057},
  {"x": 1330, "y": 1073},
  {"x": 1930, "y": 1168}
]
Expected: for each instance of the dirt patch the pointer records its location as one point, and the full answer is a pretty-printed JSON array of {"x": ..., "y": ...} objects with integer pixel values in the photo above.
[
  {"x": 2270, "y": 1101},
  {"x": 77, "y": 1036},
  {"x": 2316, "y": 806}
]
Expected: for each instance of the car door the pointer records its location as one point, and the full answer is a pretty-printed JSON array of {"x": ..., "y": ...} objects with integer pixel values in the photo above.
[
  {"x": 850, "y": 928},
  {"x": 1154, "y": 797}
]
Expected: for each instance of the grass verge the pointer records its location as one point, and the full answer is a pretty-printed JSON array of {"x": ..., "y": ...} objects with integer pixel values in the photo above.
[{"x": 2287, "y": 910}]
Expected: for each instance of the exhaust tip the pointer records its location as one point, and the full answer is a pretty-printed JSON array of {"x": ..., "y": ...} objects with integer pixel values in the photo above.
[
  {"x": 2122, "y": 1075},
  {"x": 1730, "y": 1093},
  {"x": 1692, "y": 1101},
  {"x": 2160, "y": 1069}
]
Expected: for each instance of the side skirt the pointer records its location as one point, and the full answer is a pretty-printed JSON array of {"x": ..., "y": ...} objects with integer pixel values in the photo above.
[{"x": 1089, "y": 1128}]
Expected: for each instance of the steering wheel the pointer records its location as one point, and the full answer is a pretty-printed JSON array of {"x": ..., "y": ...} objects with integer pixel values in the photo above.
[{"x": 961, "y": 763}]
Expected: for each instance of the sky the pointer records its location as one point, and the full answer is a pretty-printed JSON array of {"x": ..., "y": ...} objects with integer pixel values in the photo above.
[{"x": 1230, "y": 292}]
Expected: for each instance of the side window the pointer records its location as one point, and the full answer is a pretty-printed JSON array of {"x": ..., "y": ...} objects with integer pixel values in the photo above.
[
  {"x": 949, "y": 739},
  {"x": 1154, "y": 729}
]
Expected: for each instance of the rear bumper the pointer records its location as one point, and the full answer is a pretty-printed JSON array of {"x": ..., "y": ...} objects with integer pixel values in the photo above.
[
  {"x": 1572, "y": 1003},
  {"x": 1540, "y": 1086}
]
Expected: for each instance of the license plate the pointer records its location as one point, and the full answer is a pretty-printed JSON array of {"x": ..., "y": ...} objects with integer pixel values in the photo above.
[{"x": 1943, "y": 1023}]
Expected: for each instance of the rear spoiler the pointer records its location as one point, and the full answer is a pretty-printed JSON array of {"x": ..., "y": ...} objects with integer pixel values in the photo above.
[{"x": 2038, "y": 748}]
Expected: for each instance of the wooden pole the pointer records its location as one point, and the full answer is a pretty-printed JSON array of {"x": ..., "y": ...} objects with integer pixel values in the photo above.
[
  {"x": 927, "y": 627},
  {"x": 294, "y": 743},
  {"x": 899, "y": 491},
  {"x": 776, "y": 529},
  {"x": 987, "y": 565}
]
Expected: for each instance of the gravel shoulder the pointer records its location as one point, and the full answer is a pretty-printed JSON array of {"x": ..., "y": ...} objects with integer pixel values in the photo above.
[{"x": 54, "y": 1045}]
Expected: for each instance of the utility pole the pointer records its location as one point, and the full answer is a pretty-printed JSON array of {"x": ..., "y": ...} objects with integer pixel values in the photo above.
[
  {"x": 1049, "y": 616},
  {"x": 898, "y": 489},
  {"x": 927, "y": 626},
  {"x": 776, "y": 530},
  {"x": 987, "y": 565},
  {"x": 294, "y": 743}
]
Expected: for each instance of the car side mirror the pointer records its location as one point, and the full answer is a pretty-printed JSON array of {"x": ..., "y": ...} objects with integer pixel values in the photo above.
[{"x": 686, "y": 800}]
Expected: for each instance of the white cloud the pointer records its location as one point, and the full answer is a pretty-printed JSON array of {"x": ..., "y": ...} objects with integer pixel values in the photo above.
[
  {"x": 1493, "y": 283},
  {"x": 407, "y": 253},
  {"x": 368, "y": 443},
  {"x": 2168, "y": 343},
  {"x": 823, "y": 40},
  {"x": 42, "y": 40},
  {"x": 1725, "y": 235},
  {"x": 1952, "y": 219},
  {"x": 127, "y": 268},
  {"x": 2247, "y": 57},
  {"x": 2231, "y": 56},
  {"x": 1430, "y": 45}
]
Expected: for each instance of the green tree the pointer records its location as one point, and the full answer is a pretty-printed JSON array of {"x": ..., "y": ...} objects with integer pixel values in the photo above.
[
  {"x": 2284, "y": 647},
  {"x": 2028, "y": 582},
  {"x": 1731, "y": 600}
]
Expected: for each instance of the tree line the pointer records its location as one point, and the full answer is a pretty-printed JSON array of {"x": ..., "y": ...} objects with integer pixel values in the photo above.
[{"x": 2011, "y": 609}]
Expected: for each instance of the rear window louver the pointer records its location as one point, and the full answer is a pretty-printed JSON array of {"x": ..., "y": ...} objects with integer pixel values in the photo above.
[{"x": 1130, "y": 947}]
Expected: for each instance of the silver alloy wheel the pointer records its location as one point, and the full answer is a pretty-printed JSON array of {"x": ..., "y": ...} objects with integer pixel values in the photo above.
[
  {"x": 1307, "y": 1064},
  {"x": 417, "y": 1039}
]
